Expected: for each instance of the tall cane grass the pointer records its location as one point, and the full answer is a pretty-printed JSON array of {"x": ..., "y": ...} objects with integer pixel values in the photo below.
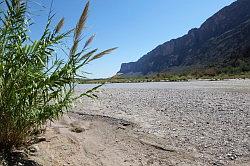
[{"x": 35, "y": 84}]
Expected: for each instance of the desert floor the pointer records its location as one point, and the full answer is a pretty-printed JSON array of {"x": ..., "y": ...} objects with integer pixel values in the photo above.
[{"x": 194, "y": 123}]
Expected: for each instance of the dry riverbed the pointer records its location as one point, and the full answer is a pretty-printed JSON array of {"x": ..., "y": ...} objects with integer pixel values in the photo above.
[{"x": 149, "y": 124}]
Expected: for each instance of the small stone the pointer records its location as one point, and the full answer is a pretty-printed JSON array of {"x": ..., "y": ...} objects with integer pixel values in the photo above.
[
  {"x": 125, "y": 124},
  {"x": 33, "y": 148},
  {"x": 231, "y": 156},
  {"x": 218, "y": 163},
  {"x": 121, "y": 127},
  {"x": 77, "y": 129},
  {"x": 40, "y": 139}
]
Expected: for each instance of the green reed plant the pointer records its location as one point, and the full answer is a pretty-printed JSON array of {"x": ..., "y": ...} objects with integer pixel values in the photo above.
[{"x": 36, "y": 85}]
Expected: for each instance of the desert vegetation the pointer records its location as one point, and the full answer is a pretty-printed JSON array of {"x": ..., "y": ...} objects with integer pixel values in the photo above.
[
  {"x": 212, "y": 74},
  {"x": 36, "y": 85}
]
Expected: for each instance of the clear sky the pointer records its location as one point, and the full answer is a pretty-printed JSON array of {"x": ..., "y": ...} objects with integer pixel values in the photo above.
[{"x": 135, "y": 26}]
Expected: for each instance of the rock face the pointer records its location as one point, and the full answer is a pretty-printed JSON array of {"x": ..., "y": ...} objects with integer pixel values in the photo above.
[{"x": 222, "y": 40}]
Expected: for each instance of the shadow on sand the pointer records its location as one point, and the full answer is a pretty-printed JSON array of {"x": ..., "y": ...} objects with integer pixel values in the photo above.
[{"x": 16, "y": 159}]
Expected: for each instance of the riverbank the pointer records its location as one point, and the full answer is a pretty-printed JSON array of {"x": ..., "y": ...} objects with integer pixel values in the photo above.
[
  {"x": 167, "y": 123},
  {"x": 167, "y": 78}
]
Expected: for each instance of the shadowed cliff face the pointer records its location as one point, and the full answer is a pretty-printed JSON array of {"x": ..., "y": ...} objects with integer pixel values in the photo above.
[{"x": 222, "y": 40}]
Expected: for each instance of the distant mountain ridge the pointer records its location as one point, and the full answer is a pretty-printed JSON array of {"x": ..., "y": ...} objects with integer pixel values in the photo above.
[{"x": 222, "y": 40}]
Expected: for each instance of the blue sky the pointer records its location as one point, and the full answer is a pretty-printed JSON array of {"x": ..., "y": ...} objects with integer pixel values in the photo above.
[{"x": 135, "y": 26}]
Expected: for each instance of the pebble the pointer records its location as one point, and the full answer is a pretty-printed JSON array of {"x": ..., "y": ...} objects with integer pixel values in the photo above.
[{"x": 33, "y": 148}]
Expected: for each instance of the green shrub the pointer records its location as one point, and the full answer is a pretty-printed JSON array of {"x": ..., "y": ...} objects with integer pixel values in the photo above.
[
  {"x": 35, "y": 84},
  {"x": 211, "y": 72}
]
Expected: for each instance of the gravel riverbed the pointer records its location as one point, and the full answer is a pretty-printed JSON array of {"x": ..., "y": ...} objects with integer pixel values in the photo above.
[{"x": 208, "y": 119}]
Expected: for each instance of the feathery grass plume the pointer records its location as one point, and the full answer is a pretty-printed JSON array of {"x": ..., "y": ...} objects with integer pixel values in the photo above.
[
  {"x": 89, "y": 41},
  {"x": 35, "y": 84},
  {"x": 97, "y": 56},
  {"x": 59, "y": 25},
  {"x": 78, "y": 30},
  {"x": 81, "y": 23}
]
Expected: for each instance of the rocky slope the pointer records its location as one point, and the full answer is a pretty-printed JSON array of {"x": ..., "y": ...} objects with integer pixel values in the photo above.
[{"x": 222, "y": 40}]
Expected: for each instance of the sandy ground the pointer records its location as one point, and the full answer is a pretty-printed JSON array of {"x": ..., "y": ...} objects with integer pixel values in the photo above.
[
  {"x": 171, "y": 124},
  {"x": 106, "y": 141}
]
